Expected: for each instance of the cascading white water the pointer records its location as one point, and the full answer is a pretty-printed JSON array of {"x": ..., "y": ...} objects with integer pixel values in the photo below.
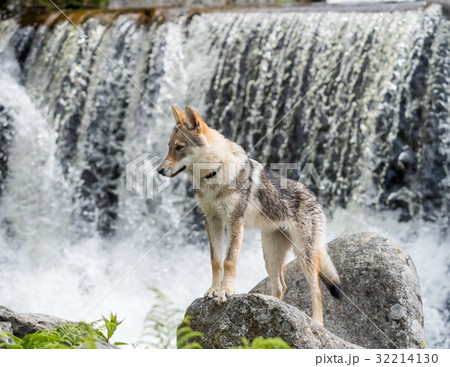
[{"x": 70, "y": 231}]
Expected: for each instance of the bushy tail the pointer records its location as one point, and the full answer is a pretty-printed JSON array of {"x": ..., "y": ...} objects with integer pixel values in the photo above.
[{"x": 330, "y": 277}]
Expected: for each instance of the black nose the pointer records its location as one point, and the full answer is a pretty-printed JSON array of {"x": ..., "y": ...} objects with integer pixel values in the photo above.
[{"x": 161, "y": 171}]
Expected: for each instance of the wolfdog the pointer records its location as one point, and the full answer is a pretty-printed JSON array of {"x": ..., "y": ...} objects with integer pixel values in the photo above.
[{"x": 236, "y": 191}]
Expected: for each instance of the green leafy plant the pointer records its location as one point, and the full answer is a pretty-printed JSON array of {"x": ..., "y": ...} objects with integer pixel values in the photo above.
[
  {"x": 108, "y": 328},
  {"x": 161, "y": 322},
  {"x": 68, "y": 336},
  {"x": 186, "y": 336},
  {"x": 261, "y": 343}
]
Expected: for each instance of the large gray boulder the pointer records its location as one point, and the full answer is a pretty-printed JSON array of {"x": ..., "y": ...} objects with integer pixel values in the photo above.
[
  {"x": 382, "y": 306},
  {"x": 22, "y": 324},
  {"x": 254, "y": 315}
]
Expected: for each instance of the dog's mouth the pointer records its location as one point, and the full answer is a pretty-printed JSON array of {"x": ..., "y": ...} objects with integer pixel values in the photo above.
[{"x": 178, "y": 172}]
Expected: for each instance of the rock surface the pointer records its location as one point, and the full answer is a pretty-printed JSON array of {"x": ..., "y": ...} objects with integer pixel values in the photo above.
[
  {"x": 6, "y": 137},
  {"x": 382, "y": 306},
  {"x": 22, "y": 324},
  {"x": 253, "y": 315},
  {"x": 5, "y": 327}
]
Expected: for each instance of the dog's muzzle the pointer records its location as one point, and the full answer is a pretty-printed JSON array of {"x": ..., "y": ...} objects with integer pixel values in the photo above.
[
  {"x": 162, "y": 171},
  {"x": 179, "y": 171}
]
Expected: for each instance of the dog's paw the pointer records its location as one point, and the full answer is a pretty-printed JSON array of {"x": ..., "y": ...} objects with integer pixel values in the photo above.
[
  {"x": 224, "y": 295},
  {"x": 212, "y": 292}
]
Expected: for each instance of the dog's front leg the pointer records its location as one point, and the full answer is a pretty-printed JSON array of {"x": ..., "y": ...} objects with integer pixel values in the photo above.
[
  {"x": 214, "y": 228},
  {"x": 235, "y": 233}
]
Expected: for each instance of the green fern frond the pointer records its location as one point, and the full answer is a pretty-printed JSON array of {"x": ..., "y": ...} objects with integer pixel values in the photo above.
[
  {"x": 161, "y": 322},
  {"x": 261, "y": 343},
  {"x": 67, "y": 336},
  {"x": 194, "y": 345},
  {"x": 185, "y": 335}
]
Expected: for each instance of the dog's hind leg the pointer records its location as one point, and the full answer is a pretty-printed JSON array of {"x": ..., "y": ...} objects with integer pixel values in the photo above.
[
  {"x": 214, "y": 228},
  {"x": 275, "y": 247},
  {"x": 309, "y": 260}
]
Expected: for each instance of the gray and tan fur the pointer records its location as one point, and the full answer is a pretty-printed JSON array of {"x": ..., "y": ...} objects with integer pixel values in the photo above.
[{"x": 235, "y": 191}]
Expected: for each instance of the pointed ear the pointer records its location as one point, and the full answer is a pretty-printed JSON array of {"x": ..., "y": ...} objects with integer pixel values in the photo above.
[
  {"x": 178, "y": 115},
  {"x": 193, "y": 120}
]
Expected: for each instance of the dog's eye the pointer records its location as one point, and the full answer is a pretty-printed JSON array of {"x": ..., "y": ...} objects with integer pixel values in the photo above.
[{"x": 179, "y": 147}]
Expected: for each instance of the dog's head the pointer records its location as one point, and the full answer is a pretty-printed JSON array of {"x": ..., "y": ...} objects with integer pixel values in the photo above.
[{"x": 187, "y": 142}]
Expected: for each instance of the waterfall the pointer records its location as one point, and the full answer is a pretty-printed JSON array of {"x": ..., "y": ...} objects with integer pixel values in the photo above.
[{"x": 363, "y": 97}]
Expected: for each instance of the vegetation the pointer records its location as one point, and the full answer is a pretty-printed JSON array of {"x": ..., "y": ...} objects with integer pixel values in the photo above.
[
  {"x": 261, "y": 343},
  {"x": 68, "y": 336},
  {"x": 186, "y": 336},
  {"x": 31, "y": 10},
  {"x": 161, "y": 322},
  {"x": 74, "y": 4}
]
